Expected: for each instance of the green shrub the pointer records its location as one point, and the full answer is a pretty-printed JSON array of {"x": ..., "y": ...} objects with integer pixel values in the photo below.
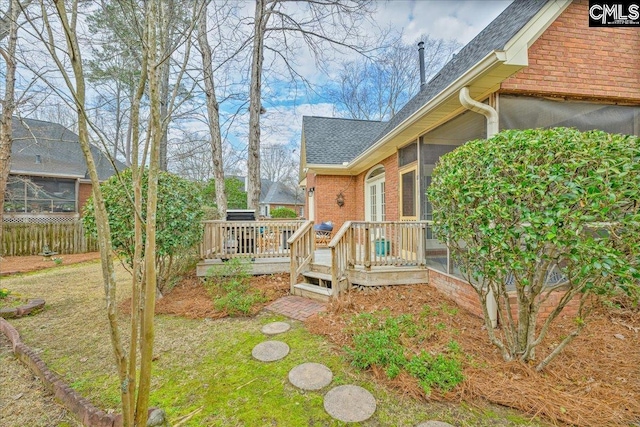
[
  {"x": 230, "y": 289},
  {"x": 527, "y": 207},
  {"x": 380, "y": 342},
  {"x": 439, "y": 371},
  {"x": 283, "y": 213},
  {"x": 179, "y": 215}
]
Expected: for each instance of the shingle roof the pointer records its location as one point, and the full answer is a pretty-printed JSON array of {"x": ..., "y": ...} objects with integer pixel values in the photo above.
[
  {"x": 333, "y": 141},
  {"x": 280, "y": 194},
  {"x": 329, "y": 142},
  {"x": 47, "y": 148}
]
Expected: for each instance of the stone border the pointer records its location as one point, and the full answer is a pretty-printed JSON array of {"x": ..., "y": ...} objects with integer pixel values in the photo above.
[
  {"x": 84, "y": 411},
  {"x": 31, "y": 306}
]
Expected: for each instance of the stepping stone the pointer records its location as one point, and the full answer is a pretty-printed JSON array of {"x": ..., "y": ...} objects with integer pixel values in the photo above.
[
  {"x": 349, "y": 403},
  {"x": 310, "y": 376},
  {"x": 434, "y": 424},
  {"x": 270, "y": 351},
  {"x": 274, "y": 328}
]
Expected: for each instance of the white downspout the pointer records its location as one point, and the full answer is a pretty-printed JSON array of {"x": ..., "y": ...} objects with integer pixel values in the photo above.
[
  {"x": 478, "y": 107},
  {"x": 492, "y": 128}
]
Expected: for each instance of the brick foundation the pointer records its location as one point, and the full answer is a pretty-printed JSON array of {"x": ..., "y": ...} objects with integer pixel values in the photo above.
[{"x": 466, "y": 297}]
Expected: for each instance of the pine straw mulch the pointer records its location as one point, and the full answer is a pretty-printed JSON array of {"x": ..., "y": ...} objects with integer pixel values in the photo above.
[
  {"x": 594, "y": 382},
  {"x": 189, "y": 298}
]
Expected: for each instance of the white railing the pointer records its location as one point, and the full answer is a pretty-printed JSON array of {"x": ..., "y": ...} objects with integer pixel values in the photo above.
[{"x": 247, "y": 239}]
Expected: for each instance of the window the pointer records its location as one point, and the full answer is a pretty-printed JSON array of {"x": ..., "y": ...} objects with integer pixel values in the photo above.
[
  {"x": 408, "y": 194},
  {"x": 408, "y": 154},
  {"x": 374, "y": 195},
  {"x": 40, "y": 195},
  {"x": 374, "y": 202},
  {"x": 383, "y": 203}
]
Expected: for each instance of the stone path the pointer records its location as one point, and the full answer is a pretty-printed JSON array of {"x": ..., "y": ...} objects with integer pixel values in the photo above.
[
  {"x": 270, "y": 351},
  {"x": 295, "y": 307},
  {"x": 346, "y": 403}
]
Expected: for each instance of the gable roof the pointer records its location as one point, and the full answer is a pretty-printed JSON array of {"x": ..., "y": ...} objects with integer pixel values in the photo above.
[
  {"x": 49, "y": 149},
  {"x": 492, "y": 39},
  {"x": 272, "y": 193},
  {"x": 334, "y": 141}
]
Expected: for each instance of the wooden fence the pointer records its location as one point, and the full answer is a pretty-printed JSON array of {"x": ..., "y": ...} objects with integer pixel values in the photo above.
[{"x": 20, "y": 239}]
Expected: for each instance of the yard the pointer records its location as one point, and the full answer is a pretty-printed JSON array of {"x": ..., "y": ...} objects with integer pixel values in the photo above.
[{"x": 204, "y": 373}]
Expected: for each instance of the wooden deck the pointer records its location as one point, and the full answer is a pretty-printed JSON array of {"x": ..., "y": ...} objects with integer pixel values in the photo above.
[{"x": 359, "y": 254}]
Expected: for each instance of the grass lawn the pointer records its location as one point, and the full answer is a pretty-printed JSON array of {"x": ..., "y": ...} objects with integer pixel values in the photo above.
[{"x": 203, "y": 368}]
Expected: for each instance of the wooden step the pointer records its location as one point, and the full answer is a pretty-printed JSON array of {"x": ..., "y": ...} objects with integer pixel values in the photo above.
[
  {"x": 313, "y": 292},
  {"x": 317, "y": 275},
  {"x": 321, "y": 268}
]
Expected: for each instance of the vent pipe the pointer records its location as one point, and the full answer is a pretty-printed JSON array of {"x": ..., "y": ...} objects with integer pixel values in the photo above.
[
  {"x": 421, "y": 59},
  {"x": 38, "y": 159}
]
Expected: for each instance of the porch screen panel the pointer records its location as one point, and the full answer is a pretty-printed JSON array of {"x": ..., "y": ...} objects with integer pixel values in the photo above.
[
  {"x": 525, "y": 112},
  {"x": 408, "y": 154},
  {"x": 408, "y": 193}
]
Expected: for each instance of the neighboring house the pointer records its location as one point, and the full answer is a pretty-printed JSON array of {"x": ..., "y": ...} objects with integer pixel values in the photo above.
[
  {"x": 48, "y": 177},
  {"x": 275, "y": 195},
  {"x": 538, "y": 64}
]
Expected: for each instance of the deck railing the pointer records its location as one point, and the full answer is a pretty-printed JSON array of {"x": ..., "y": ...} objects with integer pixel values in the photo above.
[
  {"x": 303, "y": 246},
  {"x": 247, "y": 239}
]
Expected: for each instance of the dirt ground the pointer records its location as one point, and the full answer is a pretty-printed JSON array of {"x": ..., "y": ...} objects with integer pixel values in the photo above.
[{"x": 23, "y": 264}]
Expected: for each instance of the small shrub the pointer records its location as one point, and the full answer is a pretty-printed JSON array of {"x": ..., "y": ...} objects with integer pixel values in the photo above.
[
  {"x": 57, "y": 261},
  {"x": 230, "y": 289},
  {"x": 283, "y": 213},
  {"x": 378, "y": 342},
  {"x": 440, "y": 371},
  {"x": 4, "y": 293}
]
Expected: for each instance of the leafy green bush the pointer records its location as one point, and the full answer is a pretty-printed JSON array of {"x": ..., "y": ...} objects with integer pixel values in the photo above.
[
  {"x": 380, "y": 342},
  {"x": 537, "y": 210},
  {"x": 234, "y": 189},
  {"x": 283, "y": 213},
  {"x": 178, "y": 220},
  {"x": 230, "y": 289}
]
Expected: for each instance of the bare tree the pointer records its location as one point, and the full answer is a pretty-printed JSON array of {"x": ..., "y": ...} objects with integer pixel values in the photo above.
[
  {"x": 9, "y": 30},
  {"x": 375, "y": 88},
  {"x": 277, "y": 162},
  {"x": 213, "y": 115},
  {"x": 286, "y": 26}
]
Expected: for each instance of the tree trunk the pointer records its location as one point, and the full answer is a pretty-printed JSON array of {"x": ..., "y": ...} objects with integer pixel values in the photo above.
[
  {"x": 212, "y": 113},
  {"x": 102, "y": 222},
  {"x": 255, "y": 106},
  {"x": 8, "y": 105}
]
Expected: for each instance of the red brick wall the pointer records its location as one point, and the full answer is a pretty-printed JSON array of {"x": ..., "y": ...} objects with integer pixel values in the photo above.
[
  {"x": 84, "y": 191},
  {"x": 466, "y": 297},
  {"x": 327, "y": 188},
  {"x": 572, "y": 59}
]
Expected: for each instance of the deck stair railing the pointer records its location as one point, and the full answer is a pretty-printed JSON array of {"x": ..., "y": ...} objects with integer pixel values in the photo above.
[{"x": 303, "y": 246}]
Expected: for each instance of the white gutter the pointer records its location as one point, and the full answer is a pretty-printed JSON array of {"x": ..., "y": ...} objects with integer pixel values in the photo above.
[{"x": 478, "y": 107}]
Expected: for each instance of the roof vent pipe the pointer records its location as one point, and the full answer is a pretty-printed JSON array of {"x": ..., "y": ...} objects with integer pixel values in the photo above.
[
  {"x": 421, "y": 56},
  {"x": 478, "y": 107}
]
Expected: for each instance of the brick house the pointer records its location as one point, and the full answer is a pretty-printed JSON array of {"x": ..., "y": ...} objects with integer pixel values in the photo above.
[
  {"x": 48, "y": 177},
  {"x": 538, "y": 64}
]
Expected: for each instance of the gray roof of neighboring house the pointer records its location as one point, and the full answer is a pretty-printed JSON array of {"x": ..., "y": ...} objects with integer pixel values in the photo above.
[
  {"x": 333, "y": 141},
  {"x": 280, "y": 194},
  {"x": 47, "y": 148},
  {"x": 273, "y": 192},
  {"x": 335, "y": 144}
]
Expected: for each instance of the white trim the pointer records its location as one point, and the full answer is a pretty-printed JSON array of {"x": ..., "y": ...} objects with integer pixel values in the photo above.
[{"x": 45, "y": 174}]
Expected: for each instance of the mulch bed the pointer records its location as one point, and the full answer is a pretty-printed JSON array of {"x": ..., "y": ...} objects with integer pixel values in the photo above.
[
  {"x": 22, "y": 264},
  {"x": 190, "y": 299},
  {"x": 594, "y": 382}
]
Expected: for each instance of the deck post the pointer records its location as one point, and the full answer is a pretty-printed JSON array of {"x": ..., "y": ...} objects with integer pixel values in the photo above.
[{"x": 367, "y": 247}]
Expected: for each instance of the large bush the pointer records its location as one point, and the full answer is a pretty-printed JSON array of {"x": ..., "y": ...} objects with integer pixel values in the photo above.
[
  {"x": 283, "y": 213},
  {"x": 178, "y": 220},
  {"x": 537, "y": 211}
]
